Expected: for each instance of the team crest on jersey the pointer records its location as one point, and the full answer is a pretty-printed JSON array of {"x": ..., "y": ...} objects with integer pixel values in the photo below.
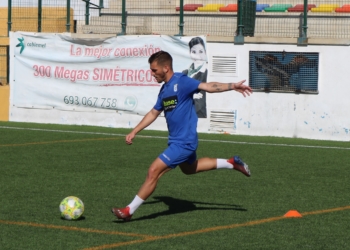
[
  {"x": 169, "y": 103},
  {"x": 175, "y": 87}
]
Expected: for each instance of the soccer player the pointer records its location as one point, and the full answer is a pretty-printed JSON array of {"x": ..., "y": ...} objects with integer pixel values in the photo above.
[{"x": 175, "y": 99}]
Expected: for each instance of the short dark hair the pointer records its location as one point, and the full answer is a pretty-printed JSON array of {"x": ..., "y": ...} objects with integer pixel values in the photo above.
[
  {"x": 195, "y": 41},
  {"x": 162, "y": 58}
]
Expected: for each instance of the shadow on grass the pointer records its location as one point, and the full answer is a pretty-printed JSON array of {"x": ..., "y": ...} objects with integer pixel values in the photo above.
[
  {"x": 79, "y": 219},
  {"x": 177, "y": 206}
]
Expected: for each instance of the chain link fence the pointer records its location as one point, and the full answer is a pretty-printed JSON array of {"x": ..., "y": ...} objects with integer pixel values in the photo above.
[
  {"x": 164, "y": 17},
  {"x": 3, "y": 65},
  {"x": 41, "y": 16},
  {"x": 217, "y": 18},
  {"x": 271, "y": 18},
  {"x": 325, "y": 19}
]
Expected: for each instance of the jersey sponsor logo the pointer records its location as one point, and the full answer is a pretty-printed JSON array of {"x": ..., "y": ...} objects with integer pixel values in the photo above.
[{"x": 169, "y": 103}]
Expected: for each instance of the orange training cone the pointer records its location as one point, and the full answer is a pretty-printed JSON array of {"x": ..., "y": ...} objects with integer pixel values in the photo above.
[{"x": 293, "y": 213}]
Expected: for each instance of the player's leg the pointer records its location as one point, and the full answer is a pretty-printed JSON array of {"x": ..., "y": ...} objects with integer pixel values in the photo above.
[
  {"x": 165, "y": 171},
  {"x": 155, "y": 171},
  {"x": 206, "y": 164},
  {"x": 167, "y": 160},
  {"x": 200, "y": 165}
]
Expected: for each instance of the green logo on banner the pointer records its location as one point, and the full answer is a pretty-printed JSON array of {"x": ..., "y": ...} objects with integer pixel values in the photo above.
[{"x": 21, "y": 44}]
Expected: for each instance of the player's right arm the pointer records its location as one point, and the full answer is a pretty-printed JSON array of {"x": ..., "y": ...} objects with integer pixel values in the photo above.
[
  {"x": 214, "y": 87},
  {"x": 150, "y": 117}
]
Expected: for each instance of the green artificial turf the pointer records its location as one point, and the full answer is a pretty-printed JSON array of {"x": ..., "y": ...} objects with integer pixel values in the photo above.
[{"x": 41, "y": 164}]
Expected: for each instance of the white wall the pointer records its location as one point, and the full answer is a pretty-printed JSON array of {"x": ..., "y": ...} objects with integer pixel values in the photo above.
[{"x": 323, "y": 116}]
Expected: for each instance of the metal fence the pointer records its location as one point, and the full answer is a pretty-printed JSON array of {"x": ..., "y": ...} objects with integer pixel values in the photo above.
[
  {"x": 41, "y": 16},
  {"x": 220, "y": 18},
  {"x": 4, "y": 65},
  {"x": 214, "y": 18},
  {"x": 271, "y": 18}
]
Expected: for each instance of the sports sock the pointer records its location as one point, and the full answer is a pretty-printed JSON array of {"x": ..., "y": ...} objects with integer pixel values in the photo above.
[
  {"x": 136, "y": 202},
  {"x": 222, "y": 163}
]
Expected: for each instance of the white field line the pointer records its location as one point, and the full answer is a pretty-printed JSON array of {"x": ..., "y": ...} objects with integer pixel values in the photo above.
[{"x": 162, "y": 137}]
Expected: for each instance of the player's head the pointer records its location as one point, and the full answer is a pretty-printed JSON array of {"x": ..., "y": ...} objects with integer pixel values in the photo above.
[
  {"x": 161, "y": 64},
  {"x": 162, "y": 58},
  {"x": 197, "y": 49}
]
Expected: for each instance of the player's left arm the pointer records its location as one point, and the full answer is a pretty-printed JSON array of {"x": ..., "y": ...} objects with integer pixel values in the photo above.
[{"x": 214, "y": 87}]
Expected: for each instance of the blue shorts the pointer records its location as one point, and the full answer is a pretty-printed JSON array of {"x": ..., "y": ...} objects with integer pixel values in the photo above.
[{"x": 176, "y": 154}]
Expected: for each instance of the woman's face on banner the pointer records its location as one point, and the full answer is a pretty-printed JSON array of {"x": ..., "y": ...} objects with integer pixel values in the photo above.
[{"x": 197, "y": 53}]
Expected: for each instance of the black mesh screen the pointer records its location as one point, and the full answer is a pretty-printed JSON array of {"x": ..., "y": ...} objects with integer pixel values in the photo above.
[{"x": 283, "y": 71}]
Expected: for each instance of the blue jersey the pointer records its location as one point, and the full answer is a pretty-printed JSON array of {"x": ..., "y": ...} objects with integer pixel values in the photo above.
[{"x": 176, "y": 100}]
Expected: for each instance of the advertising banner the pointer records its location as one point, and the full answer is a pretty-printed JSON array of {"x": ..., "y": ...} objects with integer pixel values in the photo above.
[{"x": 65, "y": 73}]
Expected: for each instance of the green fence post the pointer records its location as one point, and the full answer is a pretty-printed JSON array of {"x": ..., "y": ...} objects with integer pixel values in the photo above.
[
  {"x": 87, "y": 11},
  {"x": 181, "y": 24},
  {"x": 40, "y": 8},
  {"x": 8, "y": 63},
  {"x": 239, "y": 38},
  {"x": 9, "y": 17},
  {"x": 100, "y": 7},
  {"x": 248, "y": 18},
  {"x": 123, "y": 23},
  {"x": 302, "y": 39},
  {"x": 68, "y": 16}
]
